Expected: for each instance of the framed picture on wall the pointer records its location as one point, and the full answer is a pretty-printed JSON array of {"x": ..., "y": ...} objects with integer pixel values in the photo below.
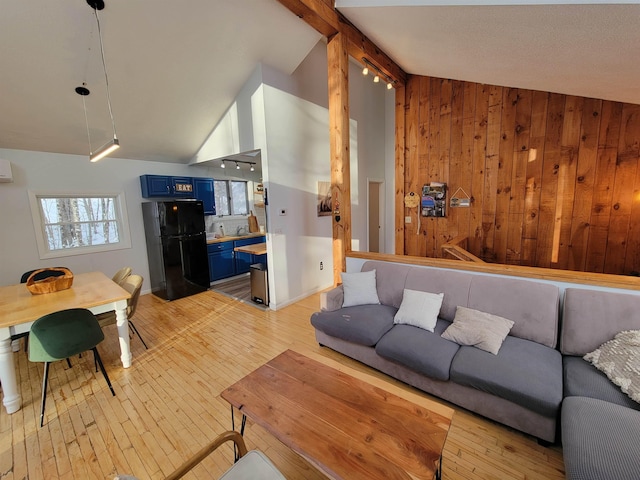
[{"x": 324, "y": 199}]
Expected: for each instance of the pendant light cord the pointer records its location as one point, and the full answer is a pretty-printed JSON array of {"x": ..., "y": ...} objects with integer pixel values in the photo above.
[
  {"x": 106, "y": 78},
  {"x": 86, "y": 122}
]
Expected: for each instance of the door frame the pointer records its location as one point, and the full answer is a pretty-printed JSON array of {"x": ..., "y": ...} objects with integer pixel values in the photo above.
[{"x": 381, "y": 212}]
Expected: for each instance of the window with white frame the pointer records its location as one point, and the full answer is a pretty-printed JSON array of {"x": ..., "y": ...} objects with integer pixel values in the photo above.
[
  {"x": 73, "y": 224},
  {"x": 231, "y": 197}
]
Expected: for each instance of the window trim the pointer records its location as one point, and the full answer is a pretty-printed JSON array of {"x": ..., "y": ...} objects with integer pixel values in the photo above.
[{"x": 120, "y": 206}]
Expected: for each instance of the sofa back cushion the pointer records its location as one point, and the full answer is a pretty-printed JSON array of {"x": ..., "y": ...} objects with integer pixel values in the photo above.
[
  {"x": 390, "y": 280},
  {"x": 592, "y": 317},
  {"x": 454, "y": 285},
  {"x": 532, "y": 306}
]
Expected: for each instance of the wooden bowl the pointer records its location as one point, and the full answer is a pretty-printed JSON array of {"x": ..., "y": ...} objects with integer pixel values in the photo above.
[{"x": 50, "y": 284}]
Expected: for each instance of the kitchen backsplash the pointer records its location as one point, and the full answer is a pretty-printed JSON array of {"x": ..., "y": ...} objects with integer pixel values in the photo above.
[{"x": 230, "y": 226}]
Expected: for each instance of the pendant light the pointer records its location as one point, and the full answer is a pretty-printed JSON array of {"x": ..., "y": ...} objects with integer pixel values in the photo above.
[{"x": 113, "y": 144}]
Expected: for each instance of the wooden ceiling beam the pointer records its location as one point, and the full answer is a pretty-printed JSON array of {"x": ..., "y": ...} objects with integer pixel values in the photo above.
[
  {"x": 328, "y": 22},
  {"x": 316, "y": 13}
]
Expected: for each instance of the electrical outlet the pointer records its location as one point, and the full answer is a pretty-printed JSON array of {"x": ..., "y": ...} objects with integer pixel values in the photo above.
[
  {"x": 321, "y": 266},
  {"x": 407, "y": 219}
]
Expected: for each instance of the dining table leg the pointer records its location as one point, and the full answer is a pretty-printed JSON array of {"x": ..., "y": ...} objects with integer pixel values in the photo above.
[
  {"x": 11, "y": 397},
  {"x": 122, "y": 322}
]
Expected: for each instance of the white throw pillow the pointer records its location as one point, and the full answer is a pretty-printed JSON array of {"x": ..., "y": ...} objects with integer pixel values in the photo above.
[
  {"x": 419, "y": 309},
  {"x": 478, "y": 329},
  {"x": 619, "y": 360},
  {"x": 359, "y": 288}
]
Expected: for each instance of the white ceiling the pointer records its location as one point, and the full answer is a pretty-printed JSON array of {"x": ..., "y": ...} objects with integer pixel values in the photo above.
[
  {"x": 175, "y": 67},
  {"x": 588, "y": 48}
]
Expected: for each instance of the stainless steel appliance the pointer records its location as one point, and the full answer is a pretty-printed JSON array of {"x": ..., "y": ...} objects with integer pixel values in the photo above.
[{"x": 176, "y": 248}]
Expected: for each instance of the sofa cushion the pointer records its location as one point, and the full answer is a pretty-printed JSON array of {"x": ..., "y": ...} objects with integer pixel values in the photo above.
[
  {"x": 419, "y": 309},
  {"x": 420, "y": 350},
  {"x": 619, "y": 360},
  {"x": 532, "y": 306},
  {"x": 581, "y": 379},
  {"x": 524, "y": 372},
  {"x": 363, "y": 324},
  {"x": 478, "y": 329},
  {"x": 390, "y": 279},
  {"x": 599, "y": 440},
  {"x": 455, "y": 285},
  {"x": 359, "y": 288},
  {"x": 591, "y": 317}
]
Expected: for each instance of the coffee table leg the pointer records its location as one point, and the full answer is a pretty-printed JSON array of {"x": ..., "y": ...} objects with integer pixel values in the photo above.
[
  {"x": 236, "y": 457},
  {"x": 439, "y": 469}
]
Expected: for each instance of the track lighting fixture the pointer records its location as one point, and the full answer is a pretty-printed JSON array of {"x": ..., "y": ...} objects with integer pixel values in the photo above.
[
  {"x": 238, "y": 162},
  {"x": 378, "y": 74},
  {"x": 113, "y": 144}
]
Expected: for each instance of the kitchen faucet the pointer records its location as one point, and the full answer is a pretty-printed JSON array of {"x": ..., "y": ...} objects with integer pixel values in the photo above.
[{"x": 241, "y": 229}]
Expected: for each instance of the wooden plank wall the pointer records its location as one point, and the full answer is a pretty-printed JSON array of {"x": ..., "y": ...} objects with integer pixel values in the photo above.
[{"x": 554, "y": 179}]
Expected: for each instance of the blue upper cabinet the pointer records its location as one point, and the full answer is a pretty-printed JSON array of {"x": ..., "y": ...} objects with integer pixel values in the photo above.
[
  {"x": 155, "y": 186},
  {"x": 182, "y": 187},
  {"x": 203, "y": 189},
  {"x": 166, "y": 186}
]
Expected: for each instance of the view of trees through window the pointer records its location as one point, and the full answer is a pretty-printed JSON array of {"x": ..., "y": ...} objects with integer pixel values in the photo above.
[
  {"x": 231, "y": 197},
  {"x": 72, "y": 222}
]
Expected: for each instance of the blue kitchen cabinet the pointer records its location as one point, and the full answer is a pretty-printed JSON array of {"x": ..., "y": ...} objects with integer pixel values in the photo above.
[
  {"x": 243, "y": 259},
  {"x": 166, "y": 186},
  {"x": 221, "y": 260},
  {"x": 203, "y": 189},
  {"x": 155, "y": 186},
  {"x": 182, "y": 187}
]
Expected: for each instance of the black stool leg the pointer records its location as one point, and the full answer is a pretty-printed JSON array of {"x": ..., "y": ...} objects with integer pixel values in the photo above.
[
  {"x": 44, "y": 391},
  {"x": 104, "y": 372}
]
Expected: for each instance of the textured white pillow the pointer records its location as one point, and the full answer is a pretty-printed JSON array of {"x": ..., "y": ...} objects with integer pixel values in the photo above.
[
  {"x": 359, "y": 288},
  {"x": 419, "y": 309},
  {"x": 478, "y": 329},
  {"x": 619, "y": 359}
]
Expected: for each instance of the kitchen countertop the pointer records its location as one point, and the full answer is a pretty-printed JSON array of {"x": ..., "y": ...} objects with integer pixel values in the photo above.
[
  {"x": 230, "y": 238},
  {"x": 256, "y": 249}
]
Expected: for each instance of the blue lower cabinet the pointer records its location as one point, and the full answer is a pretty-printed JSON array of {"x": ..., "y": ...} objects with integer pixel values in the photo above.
[
  {"x": 245, "y": 260},
  {"x": 221, "y": 260}
]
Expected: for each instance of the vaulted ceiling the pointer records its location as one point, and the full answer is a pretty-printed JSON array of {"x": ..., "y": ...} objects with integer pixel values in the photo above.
[{"x": 175, "y": 67}]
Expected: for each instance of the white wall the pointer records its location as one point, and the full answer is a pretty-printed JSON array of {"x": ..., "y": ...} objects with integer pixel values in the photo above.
[
  {"x": 39, "y": 171},
  {"x": 286, "y": 117},
  {"x": 289, "y": 123}
]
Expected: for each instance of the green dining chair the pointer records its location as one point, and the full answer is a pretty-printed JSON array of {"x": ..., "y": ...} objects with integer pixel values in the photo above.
[{"x": 61, "y": 335}]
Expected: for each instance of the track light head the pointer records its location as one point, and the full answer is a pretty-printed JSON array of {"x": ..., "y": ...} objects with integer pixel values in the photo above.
[
  {"x": 237, "y": 166},
  {"x": 252, "y": 169},
  {"x": 365, "y": 71},
  {"x": 376, "y": 79},
  {"x": 222, "y": 165}
]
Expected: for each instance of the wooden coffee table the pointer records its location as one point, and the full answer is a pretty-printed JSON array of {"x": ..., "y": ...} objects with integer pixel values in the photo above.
[{"x": 348, "y": 424}]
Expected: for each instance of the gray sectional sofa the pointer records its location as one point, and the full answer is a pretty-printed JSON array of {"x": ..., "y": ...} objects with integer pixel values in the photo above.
[
  {"x": 520, "y": 387},
  {"x": 600, "y": 425},
  {"x": 538, "y": 371}
]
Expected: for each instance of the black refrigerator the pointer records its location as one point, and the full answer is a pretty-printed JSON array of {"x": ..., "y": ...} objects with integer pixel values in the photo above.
[{"x": 176, "y": 248}]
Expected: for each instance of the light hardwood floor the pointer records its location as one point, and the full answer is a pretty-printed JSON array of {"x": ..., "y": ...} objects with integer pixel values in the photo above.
[{"x": 167, "y": 405}]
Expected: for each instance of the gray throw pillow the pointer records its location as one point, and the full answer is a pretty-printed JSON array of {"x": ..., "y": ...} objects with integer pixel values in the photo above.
[
  {"x": 619, "y": 359},
  {"x": 478, "y": 329}
]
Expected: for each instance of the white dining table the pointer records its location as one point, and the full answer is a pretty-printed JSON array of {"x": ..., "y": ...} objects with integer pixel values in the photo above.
[{"x": 19, "y": 309}]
